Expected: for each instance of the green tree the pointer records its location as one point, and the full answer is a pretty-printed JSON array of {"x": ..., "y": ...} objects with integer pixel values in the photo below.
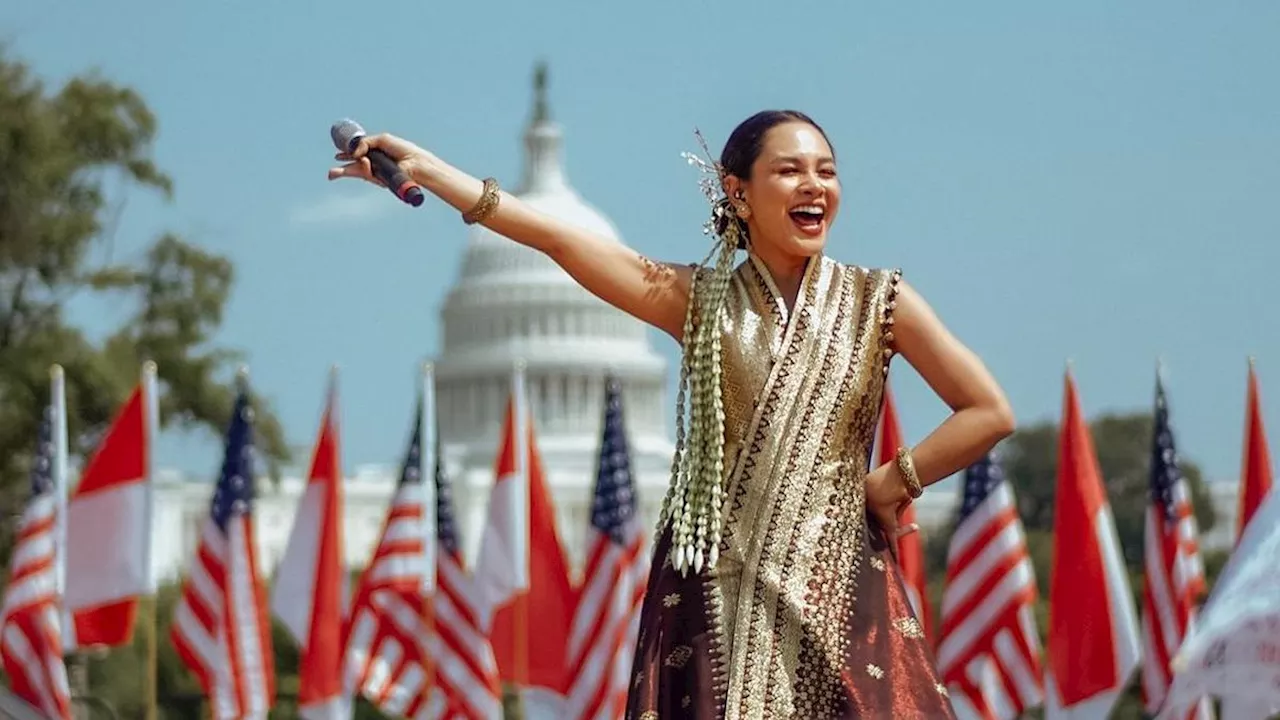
[
  {"x": 1030, "y": 461},
  {"x": 61, "y": 152}
]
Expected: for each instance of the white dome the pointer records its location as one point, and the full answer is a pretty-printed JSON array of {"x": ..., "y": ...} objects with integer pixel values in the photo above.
[{"x": 512, "y": 304}]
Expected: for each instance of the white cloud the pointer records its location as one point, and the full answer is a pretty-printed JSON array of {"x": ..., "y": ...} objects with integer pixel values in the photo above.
[{"x": 342, "y": 209}]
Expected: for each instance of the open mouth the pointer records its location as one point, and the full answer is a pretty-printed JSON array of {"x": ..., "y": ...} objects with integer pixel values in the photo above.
[{"x": 808, "y": 218}]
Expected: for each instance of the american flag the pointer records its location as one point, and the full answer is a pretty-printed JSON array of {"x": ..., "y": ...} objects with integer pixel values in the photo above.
[
  {"x": 221, "y": 628},
  {"x": 30, "y": 625},
  {"x": 466, "y": 668},
  {"x": 1174, "y": 574},
  {"x": 989, "y": 653},
  {"x": 387, "y": 654},
  {"x": 602, "y": 637}
]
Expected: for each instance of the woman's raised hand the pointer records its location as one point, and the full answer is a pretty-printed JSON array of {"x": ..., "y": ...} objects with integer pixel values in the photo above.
[{"x": 411, "y": 158}]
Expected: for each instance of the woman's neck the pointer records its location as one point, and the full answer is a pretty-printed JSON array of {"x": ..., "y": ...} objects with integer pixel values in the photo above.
[{"x": 786, "y": 271}]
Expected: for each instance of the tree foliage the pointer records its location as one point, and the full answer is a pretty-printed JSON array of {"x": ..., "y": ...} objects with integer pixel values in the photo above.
[{"x": 63, "y": 154}]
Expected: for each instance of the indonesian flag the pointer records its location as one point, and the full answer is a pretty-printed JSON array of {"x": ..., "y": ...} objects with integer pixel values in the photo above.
[
  {"x": 1093, "y": 643},
  {"x": 109, "y": 529},
  {"x": 522, "y": 578},
  {"x": 910, "y": 547},
  {"x": 1255, "y": 483},
  {"x": 1256, "y": 473},
  {"x": 310, "y": 583}
]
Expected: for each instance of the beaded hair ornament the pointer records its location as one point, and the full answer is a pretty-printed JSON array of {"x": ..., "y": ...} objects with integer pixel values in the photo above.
[{"x": 695, "y": 497}]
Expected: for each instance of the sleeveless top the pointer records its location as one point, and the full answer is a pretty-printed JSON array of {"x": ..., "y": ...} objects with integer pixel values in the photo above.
[{"x": 804, "y": 614}]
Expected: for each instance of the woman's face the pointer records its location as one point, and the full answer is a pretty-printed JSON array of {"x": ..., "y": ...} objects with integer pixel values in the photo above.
[{"x": 793, "y": 193}]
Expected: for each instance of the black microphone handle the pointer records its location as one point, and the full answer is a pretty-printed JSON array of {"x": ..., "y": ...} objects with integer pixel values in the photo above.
[{"x": 400, "y": 185}]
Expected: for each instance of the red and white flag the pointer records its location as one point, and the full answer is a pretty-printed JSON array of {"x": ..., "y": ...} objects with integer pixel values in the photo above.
[
  {"x": 910, "y": 547},
  {"x": 310, "y": 589},
  {"x": 521, "y": 580},
  {"x": 1093, "y": 645},
  {"x": 1256, "y": 476},
  {"x": 607, "y": 613},
  {"x": 221, "y": 628},
  {"x": 109, "y": 528},
  {"x": 1256, "y": 471},
  {"x": 1173, "y": 574},
  {"x": 989, "y": 654},
  {"x": 30, "y": 616}
]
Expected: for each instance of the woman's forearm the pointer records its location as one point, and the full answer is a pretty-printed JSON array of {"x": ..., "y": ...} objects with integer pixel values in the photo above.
[
  {"x": 961, "y": 440},
  {"x": 513, "y": 218},
  {"x": 655, "y": 293}
]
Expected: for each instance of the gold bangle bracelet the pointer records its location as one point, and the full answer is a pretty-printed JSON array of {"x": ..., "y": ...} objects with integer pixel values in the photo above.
[
  {"x": 487, "y": 203},
  {"x": 908, "y": 467}
]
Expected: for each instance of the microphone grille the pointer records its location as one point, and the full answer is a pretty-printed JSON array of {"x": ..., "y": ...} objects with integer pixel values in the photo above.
[{"x": 345, "y": 132}]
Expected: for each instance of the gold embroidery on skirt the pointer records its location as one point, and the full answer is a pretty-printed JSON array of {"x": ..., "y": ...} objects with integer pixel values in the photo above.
[
  {"x": 909, "y": 627},
  {"x": 678, "y": 656}
]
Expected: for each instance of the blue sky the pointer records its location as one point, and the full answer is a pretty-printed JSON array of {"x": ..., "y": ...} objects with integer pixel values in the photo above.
[{"x": 1085, "y": 180}]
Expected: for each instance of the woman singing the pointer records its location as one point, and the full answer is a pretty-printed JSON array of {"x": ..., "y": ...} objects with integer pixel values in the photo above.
[{"x": 773, "y": 591}]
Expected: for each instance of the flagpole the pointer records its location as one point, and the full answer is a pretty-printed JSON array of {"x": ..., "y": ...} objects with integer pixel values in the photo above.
[
  {"x": 77, "y": 664},
  {"x": 428, "y": 461},
  {"x": 58, "y": 401},
  {"x": 521, "y": 609},
  {"x": 151, "y": 410}
]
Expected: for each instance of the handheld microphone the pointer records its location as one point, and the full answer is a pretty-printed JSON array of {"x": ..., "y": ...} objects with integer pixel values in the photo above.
[{"x": 346, "y": 136}]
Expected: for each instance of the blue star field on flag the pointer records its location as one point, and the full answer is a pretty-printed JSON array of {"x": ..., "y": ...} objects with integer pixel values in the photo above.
[
  {"x": 1165, "y": 473},
  {"x": 614, "y": 505},
  {"x": 42, "y": 463},
  {"x": 411, "y": 471},
  {"x": 233, "y": 494},
  {"x": 980, "y": 480},
  {"x": 446, "y": 525}
]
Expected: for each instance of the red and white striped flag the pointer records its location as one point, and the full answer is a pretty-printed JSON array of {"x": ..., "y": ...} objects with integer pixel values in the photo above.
[
  {"x": 30, "y": 617},
  {"x": 989, "y": 654},
  {"x": 221, "y": 629},
  {"x": 109, "y": 528},
  {"x": 1093, "y": 645},
  {"x": 388, "y": 637},
  {"x": 1173, "y": 578},
  {"x": 466, "y": 668},
  {"x": 607, "y": 613},
  {"x": 309, "y": 595}
]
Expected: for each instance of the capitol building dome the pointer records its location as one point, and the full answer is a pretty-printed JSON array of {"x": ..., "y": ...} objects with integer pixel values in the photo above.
[{"x": 513, "y": 304}]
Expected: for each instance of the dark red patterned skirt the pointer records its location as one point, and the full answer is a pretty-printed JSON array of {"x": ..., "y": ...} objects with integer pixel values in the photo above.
[{"x": 889, "y": 670}]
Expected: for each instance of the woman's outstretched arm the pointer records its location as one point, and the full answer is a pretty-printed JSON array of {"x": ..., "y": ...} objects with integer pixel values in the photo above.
[{"x": 654, "y": 292}]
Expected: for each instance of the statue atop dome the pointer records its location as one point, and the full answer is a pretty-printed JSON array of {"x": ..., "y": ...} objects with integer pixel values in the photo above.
[{"x": 541, "y": 111}]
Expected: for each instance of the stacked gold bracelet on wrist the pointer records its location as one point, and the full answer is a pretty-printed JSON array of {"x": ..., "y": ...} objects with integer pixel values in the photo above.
[
  {"x": 487, "y": 203},
  {"x": 908, "y": 467}
]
